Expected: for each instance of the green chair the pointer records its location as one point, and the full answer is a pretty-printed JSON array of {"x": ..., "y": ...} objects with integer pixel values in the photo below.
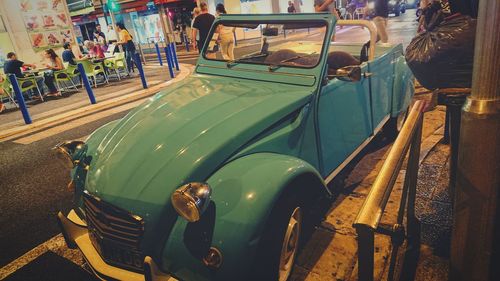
[
  {"x": 116, "y": 63},
  {"x": 93, "y": 69},
  {"x": 71, "y": 70},
  {"x": 7, "y": 93},
  {"x": 63, "y": 76},
  {"x": 25, "y": 84}
]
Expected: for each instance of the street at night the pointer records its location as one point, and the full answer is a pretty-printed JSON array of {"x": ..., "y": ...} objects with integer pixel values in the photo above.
[{"x": 190, "y": 128}]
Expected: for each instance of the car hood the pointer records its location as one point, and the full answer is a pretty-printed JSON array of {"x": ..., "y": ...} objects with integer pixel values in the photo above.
[{"x": 183, "y": 135}]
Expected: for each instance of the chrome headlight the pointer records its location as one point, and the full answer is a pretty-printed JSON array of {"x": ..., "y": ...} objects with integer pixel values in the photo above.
[
  {"x": 191, "y": 200},
  {"x": 66, "y": 152}
]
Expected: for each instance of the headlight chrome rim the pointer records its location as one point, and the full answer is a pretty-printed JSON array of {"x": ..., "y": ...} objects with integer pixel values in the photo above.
[
  {"x": 191, "y": 200},
  {"x": 65, "y": 152}
]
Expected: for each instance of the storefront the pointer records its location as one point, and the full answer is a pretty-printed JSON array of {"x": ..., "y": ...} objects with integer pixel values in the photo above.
[
  {"x": 5, "y": 41},
  {"x": 29, "y": 27}
]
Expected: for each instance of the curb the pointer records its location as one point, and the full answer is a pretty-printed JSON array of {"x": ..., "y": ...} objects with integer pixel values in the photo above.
[{"x": 15, "y": 132}]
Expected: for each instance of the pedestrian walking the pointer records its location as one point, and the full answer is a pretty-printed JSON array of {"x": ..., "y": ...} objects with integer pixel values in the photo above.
[
  {"x": 321, "y": 6},
  {"x": 381, "y": 13},
  {"x": 202, "y": 24},
  {"x": 226, "y": 35},
  {"x": 128, "y": 45},
  {"x": 195, "y": 37},
  {"x": 291, "y": 8}
]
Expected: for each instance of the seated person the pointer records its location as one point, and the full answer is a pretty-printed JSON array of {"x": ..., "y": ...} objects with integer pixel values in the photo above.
[
  {"x": 339, "y": 59},
  {"x": 67, "y": 54},
  {"x": 55, "y": 63},
  {"x": 13, "y": 66},
  {"x": 94, "y": 49}
]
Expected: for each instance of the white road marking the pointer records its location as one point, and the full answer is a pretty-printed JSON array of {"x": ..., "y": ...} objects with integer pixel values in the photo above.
[{"x": 56, "y": 244}]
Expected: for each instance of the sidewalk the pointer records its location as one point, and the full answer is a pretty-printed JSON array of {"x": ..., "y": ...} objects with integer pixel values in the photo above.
[
  {"x": 331, "y": 253},
  {"x": 74, "y": 105}
]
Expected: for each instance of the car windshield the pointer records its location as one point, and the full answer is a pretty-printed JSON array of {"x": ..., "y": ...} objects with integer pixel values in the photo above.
[{"x": 292, "y": 44}]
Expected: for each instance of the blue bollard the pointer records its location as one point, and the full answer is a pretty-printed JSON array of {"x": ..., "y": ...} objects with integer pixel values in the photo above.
[
  {"x": 187, "y": 43},
  {"x": 20, "y": 99},
  {"x": 174, "y": 56},
  {"x": 169, "y": 61},
  {"x": 137, "y": 61},
  {"x": 85, "y": 81},
  {"x": 158, "y": 53}
]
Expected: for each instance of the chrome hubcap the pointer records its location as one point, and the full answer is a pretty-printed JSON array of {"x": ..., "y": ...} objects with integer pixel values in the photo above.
[{"x": 290, "y": 244}]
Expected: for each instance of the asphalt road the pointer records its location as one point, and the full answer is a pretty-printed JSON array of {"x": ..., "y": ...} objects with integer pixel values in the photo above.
[{"x": 33, "y": 186}]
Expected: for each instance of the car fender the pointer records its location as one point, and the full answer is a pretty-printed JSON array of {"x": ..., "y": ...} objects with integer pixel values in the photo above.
[
  {"x": 244, "y": 193},
  {"x": 403, "y": 88}
]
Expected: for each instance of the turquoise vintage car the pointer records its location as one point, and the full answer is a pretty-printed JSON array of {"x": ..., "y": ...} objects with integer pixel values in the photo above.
[{"x": 219, "y": 176}]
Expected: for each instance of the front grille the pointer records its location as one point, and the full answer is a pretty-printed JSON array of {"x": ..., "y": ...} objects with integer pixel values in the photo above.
[{"x": 115, "y": 233}]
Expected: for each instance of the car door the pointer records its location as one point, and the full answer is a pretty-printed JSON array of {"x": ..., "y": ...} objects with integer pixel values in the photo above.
[
  {"x": 344, "y": 119},
  {"x": 382, "y": 78}
]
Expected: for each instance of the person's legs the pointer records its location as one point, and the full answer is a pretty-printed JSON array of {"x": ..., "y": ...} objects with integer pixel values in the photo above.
[
  {"x": 39, "y": 83},
  {"x": 224, "y": 47},
  {"x": 128, "y": 58},
  {"x": 50, "y": 82},
  {"x": 230, "y": 50},
  {"x": 381, "y": 24}
]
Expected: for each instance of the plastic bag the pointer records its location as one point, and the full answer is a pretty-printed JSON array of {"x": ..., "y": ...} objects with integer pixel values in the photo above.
[{"x": 442, "y": 57}]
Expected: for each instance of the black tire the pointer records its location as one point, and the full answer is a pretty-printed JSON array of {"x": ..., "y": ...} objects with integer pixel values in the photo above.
[
  {"x": 397, "y": 12},
  {"x": 403, "y": 10},
  {"x": 394, "y": 125},
  {"x": 267, "y": 261}
]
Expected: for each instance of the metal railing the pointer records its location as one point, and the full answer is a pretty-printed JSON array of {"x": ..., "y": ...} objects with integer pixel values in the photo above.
[{"x": 368, "y": 223}]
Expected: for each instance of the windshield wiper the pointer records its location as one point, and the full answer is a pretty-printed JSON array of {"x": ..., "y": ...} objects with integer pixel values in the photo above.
[
  {"x": 273, "y": 67},
  {"x": 231, "y": 63}
]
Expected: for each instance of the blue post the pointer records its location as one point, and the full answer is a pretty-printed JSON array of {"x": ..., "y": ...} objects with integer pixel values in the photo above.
[
  {"x": 158, "y": 53},
  {"x": 174, "y": 56},
  {"x": 186, "y": 42},
  {"x": 20, "y": 99},
  {"x": 85, "y": 81},
  {"x": 137, "y": 61},
  {"x": 169, "y": 61}
]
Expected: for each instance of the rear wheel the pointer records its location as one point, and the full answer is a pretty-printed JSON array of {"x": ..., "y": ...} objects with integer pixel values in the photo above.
[
  {"x": 280, "y": 243},
  {"x": 397, "y": 12}
]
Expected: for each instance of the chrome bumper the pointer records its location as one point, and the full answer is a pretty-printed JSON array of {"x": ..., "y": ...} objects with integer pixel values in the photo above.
[{"x": 76, "y": 235}]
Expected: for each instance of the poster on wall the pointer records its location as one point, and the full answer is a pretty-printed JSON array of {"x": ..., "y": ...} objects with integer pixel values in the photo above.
[
  {"x": 256, "y": 7},
  {"x": 5, "y": 42},
  {"x": 47, "y": 23}
]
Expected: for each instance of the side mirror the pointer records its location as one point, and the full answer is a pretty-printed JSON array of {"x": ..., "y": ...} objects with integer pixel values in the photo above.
[{"x": 350, "y": 73}]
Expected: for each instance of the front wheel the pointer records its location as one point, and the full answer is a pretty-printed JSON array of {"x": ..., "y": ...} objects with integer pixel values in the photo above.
[
  {"x": 397, "y": 12},
  {"x": 280, "y": 243}
]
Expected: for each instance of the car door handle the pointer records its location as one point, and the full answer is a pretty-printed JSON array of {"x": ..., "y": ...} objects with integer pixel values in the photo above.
[{"x": 367, "y": 74}]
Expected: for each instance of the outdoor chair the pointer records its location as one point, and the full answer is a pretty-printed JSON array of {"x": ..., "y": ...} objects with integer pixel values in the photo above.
[
  {"x": 6, "y": 93},
  {"x": 92, "y": 70},
  {"x": 116, "y": 63},
  {"x": 72, "y": 71},
  {"x": 61, "y": 77},
  {"x": 25, "y": 84}
]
